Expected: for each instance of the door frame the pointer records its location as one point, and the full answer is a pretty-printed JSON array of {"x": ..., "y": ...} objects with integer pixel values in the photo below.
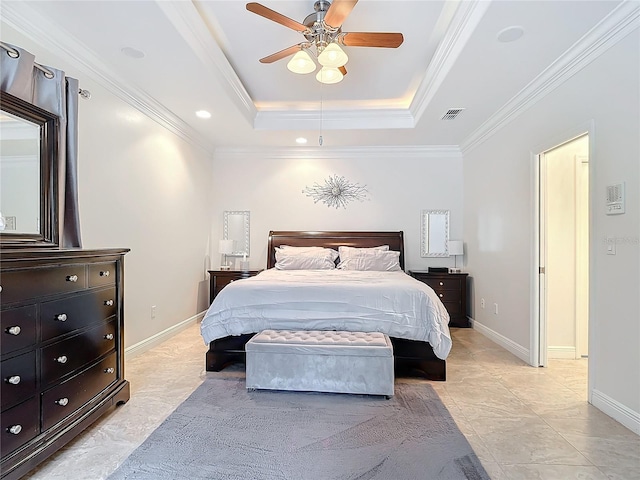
[{"x": 537, "y": 310}]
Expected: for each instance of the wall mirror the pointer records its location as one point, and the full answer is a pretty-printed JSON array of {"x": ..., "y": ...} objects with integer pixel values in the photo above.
[
  {"x": 236, "y": 228},
  {"x": 28, "y": 174},
  {"x": 434, "y": 233}
]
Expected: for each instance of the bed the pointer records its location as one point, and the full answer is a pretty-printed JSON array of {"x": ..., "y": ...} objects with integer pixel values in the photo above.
[{"x": 230, "y": 321}]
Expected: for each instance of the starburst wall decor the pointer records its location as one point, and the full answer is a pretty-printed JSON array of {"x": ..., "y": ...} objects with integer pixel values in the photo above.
[{"x": 336, "y": 192}]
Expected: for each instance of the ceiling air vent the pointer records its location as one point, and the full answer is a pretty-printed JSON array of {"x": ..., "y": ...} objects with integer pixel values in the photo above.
[{"x": 452, "y": 113}]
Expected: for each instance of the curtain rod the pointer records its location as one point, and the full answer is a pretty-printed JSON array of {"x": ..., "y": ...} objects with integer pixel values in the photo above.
[{"x": 13, "y": 53}]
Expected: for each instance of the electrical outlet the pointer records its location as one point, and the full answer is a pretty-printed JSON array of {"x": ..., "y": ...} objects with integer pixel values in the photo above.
[
  {"x": 495, "y": 308},
  {"x": 153, "y": 311},
  {"x": 482, "y": 302}
]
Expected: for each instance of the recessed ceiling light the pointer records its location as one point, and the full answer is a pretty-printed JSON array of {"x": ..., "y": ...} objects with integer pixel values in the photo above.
[
  {"x": 510, "y": 34},
  {"x": 132, "y": 52},
  {"x": 301, "y": 140},
  {"x": 203, "y": 114}
]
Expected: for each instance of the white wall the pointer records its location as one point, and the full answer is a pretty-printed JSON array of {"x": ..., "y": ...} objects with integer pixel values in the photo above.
[
  {"x": 499, "y": 222},
  {"x": 144, "y": 188},
  {"x": 270, "y": 185}
]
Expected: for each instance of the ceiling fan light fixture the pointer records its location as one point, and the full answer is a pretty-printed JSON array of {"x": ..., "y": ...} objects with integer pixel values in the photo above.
[
  {"x": 329, "y": 75},
  {"x": 301, "y": 63},
  {"x": 333, "y": 56}
]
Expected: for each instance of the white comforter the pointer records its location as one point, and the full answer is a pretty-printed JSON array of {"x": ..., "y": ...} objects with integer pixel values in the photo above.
[{"x": 389, "y": 302}]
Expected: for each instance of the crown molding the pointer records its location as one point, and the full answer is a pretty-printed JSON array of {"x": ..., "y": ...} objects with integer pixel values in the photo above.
[
  {"x": 614, "y": 27},
  {"x": 466, "y": 19},
  {"x": 188, "y": 22},
  {"x": 404, "y": 152},
  {"x": 334, "y": 119},
  {"x": 33, "y": 25}
]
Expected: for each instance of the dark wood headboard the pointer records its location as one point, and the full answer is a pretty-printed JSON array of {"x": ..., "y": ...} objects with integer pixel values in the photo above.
[{"x": 395, "y": 240}]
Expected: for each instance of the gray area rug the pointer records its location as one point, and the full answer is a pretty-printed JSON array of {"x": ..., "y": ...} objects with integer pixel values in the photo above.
[{"x": 222, "y": 431}]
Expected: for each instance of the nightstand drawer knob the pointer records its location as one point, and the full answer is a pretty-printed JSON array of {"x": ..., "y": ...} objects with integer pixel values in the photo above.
[
  {"x": 108, "y": 303},
  {"x": 72, "y": 278},
  {"x": 14, "y": 380},
  {"x": 15, "y": 330},
  {"x": 441, "y": 295},
  {"x": 62, "y": 359},
  {"x": 63, "y": 402},
  {"x": 61, "y": 317},
  {"x": 109, "y": 336},
  {"x": 441, "y": 283},
  {"x": 109, "y": 370},
  {"x": 105, "y": 273},
  {"x": 15, "y": 429}
]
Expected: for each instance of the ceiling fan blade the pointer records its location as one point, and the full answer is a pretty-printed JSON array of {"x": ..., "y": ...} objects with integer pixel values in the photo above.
[
  {"x": 281, "y": 54},
  {"x": 338, "y": 11},
  {"x": 275, "y": 16},
  {"x": 342, "y": 70},
  {"x": 371, "y": 39}
]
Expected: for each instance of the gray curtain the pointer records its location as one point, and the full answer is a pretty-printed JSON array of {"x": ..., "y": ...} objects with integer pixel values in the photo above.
[{"x": 57, "y": 94}]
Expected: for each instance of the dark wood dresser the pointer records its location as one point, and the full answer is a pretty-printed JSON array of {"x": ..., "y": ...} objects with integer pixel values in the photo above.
[
  {"x": 218, "y": 279},
  {"x": 452, "y": 290},
  {"x": 61, "y": 348}
]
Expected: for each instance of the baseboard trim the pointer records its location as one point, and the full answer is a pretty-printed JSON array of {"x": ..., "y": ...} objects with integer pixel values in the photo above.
[
  {"x": 616, "y": 410},
  {"x": 562, "y": 353},
  {"x": 509, "y": 345},
  {"x": 154, "y": 340}
]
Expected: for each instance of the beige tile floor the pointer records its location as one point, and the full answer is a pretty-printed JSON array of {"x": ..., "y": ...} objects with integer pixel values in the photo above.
[{"x": 523, "y": 422}]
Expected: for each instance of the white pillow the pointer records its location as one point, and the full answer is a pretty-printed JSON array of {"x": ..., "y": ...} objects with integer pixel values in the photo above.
[
  {"x": 286, "y": 249},
  {"x": 346, "y": 252},
  {"x": 305, "y": 261},
  {"x": 377, "y": 260}
]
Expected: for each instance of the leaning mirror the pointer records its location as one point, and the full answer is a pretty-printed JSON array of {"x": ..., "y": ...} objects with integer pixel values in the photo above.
[
  {"x": 236, "y": 228},
  {"x": 28, "y": 184},
  {"x": 434, "y": 233}
]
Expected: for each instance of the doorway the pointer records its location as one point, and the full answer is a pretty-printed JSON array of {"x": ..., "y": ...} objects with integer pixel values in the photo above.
[{"x": 564, "y": 251}]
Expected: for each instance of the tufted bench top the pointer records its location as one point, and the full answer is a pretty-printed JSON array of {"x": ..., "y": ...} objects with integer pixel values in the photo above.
[{"x": 321, "y": 342}]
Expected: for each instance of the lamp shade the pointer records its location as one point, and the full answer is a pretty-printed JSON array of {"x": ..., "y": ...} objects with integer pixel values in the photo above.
[
  {"x": 301, "y": 63},
  {"x": 329, "y": 75},
  {"x": 332, "y": 56},
  {"x": 456, "y": 247},
  {"x": 226, "y": 246}
]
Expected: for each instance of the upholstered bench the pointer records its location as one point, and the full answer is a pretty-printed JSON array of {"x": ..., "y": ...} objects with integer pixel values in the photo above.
[{"x": 320, "y": 361}]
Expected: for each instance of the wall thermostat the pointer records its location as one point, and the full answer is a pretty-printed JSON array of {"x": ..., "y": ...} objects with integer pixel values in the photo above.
[{"x": 615, "y": 199}]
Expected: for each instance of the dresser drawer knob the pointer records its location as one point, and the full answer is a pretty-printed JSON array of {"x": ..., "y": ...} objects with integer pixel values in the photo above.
[
  {"x": 441, "y": 295},
  {"x": 72, "y": 278},
  {"x": 62, "y": 401},
  {"x": 105, "y": 273},
  {"x": 62, "y": 317},
  {"x": 62, "y": 359},
  {"x": 108, "y": 303},
  {"x": 109, "y": 370},
  {"x": 441, "y": 283},
  {"x": 109, "y": 336},
  {"x": 15, "y": 330},
  {"x": 14, "y": 380},
  {"x": 15, "y": 429}
]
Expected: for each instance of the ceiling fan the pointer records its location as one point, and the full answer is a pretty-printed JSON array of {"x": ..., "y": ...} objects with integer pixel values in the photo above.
[{"x": 323, "y": 33}]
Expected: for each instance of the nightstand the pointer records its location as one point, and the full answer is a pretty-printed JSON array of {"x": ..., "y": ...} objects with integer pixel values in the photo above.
[
  {"x": 218, "y": 279},
  {"x": 452, "y": 290}
]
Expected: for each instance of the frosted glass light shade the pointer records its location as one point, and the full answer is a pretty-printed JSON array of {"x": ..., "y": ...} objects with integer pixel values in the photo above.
[
  {"x": 329, "y": 75},
  {"x": 301, "y": 63},
  {"x": 333, "y": 56}
]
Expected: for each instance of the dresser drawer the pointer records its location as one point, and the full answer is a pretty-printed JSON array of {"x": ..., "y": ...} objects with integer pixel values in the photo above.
[
  {"x": 19, "y": 425},
  {"x": 102, "y": 274},
  {"x": 18, "y": 328},
  {"x": 63, "y": 316},
  {"x": 18, "y": 379},
  {"x": 61, "y": 401},
  {"x": 448, "y": 296},
  {"x": 20, "y": 285},
  {"x": 62, "y": 358},
  {"x": 442, "y": 283}
]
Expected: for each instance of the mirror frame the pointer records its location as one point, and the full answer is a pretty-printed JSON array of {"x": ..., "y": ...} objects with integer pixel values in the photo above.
[
  {"x": 425, "y": 231},
  {"x": 245, "y": 223},
  {"x": 48, "y": 123}
]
